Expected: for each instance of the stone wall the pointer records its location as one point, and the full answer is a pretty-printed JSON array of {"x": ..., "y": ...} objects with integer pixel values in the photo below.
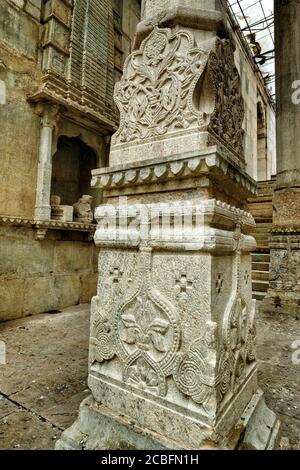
[
  {"x": 41, "y": 276},
  {"x": 60, "y": 269},
  {"x": 19, "y": 130},
  {"x": 253, "y": 93}
]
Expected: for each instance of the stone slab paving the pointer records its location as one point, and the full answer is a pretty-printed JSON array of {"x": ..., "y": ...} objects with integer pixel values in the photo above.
[{"x": 44, "y": 380}]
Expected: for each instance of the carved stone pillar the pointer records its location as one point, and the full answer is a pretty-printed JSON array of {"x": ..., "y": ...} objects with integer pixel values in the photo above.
[
  {"x": 284, "y": 294},
  {"x": 172, "y": 360},
  {"x": 49, "y": 114}
]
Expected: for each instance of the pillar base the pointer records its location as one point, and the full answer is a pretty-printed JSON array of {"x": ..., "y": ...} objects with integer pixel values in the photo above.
[
  {"x": 281, "y": 302},
  {"x": 283, "y": 296},
  {"x": 98, "y": 428}
]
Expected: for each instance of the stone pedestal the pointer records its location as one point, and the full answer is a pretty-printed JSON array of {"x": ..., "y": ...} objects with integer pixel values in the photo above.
[{"x": 172, "y": 361}]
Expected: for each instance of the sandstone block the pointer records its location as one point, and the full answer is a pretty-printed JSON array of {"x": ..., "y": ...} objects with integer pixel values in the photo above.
[{"x": 12, "y": 293}]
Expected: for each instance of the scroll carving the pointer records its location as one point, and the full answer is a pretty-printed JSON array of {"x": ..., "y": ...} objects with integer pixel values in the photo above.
[
  {"x": 143, "y": 332},
  {"x": 238, "y": 333},
  {"x": 227, "y": 118},
  {"x": 172, "y": 84},
  {"x": 156, "y": 93}
]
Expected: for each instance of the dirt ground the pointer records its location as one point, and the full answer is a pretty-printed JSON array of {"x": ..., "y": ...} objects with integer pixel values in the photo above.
[{"x": 44, "y": 380}]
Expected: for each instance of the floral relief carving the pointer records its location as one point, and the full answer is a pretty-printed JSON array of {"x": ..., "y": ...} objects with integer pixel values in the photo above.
[
  {"x": 227, "y": 118},
  {"x": 103, "y": 340},
  {"x": 142, "y": 329},
  {"x": 163, "y": 83},
  {"x": 238, "y": 333},
  {"x": 156, "y": 92},
  {"x": 195, "y": 375},
  {"x": 147, "y": 332},
  {"x": 142, "y": 333}
]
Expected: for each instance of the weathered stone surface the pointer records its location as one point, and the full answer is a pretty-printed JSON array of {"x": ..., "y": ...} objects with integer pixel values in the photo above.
[
  {"x": 69, "y": 258},
  {"x": 286, "y": 203},
  {"x": 62, "y": 291},
  {"x": 43, "y": 380},
  {"x": 162, "y": 115},
  {"x": 12, "y": 292},
  {"x": 64, "y": 270},
  {"x": 88, "y": 288}
]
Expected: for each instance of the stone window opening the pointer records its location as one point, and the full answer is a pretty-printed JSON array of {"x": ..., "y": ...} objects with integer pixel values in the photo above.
[{"x": 72, "y": 164}]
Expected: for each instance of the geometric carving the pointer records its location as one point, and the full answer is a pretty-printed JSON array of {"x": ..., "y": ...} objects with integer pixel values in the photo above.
[
  {"x": 116, "y": 275},
  {"x": 246, "y": 277},
  {"x": 181, "y": 167},
  {"x": 183, "y": 283}
]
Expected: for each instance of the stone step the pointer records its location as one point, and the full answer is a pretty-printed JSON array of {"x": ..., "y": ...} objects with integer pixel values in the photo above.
[
  {"x": 260, "y": 286},
  {"x": 260, "y": 276},
  {"x": 263, "y": 220},
  {"x": 260, "y": 266},
  {"x": 261, "y": 214},
  {"x": 261, "y": 257},
  {"x": 263, "y": 228},
  {"x": 260, "y": 199},
  {"x": 258, "y": 295},
  {"x": 261, "y": 237},
  {"x": 261, "y": 205}
]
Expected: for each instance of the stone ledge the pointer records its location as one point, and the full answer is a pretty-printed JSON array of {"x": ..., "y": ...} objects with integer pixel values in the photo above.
[
  {"x": 174, "y": 168},
  {"x": 43, "y": 226}
]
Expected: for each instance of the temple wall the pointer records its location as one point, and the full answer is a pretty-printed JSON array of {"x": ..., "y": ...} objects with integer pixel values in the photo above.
[
  {"x": 43, "y": 276},
  {"x": 19, "y": 130},
  {"x": 59, "y": 270}
]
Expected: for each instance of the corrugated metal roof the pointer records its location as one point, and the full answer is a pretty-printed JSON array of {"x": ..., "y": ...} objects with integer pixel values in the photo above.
[{"x": 256, "y": 20}]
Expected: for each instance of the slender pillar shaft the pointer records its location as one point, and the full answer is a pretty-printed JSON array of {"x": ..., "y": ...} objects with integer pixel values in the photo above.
[
  {"x": 42, "y": 204},
  {"x": 287, "y": 36},
  {"x": 284, "y": 293}
]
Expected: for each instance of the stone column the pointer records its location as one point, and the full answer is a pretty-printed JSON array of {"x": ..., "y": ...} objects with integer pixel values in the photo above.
[
  {"x": 284, "y": 294},
  {"x": 172, "y": 360},
  {"x": 49, "y": 115}
]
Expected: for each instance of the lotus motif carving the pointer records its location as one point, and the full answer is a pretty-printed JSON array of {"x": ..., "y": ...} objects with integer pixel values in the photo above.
[{"x": 145, "y": 336}]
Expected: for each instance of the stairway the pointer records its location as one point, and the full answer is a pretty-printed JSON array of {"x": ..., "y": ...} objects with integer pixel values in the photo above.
[{"x": 262, "y": 210}]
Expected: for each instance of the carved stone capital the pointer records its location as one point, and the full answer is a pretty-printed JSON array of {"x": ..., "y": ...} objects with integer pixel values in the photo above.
[
  {"x": 49, "y": 114},
  {"x": 172, "y": 91}
]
